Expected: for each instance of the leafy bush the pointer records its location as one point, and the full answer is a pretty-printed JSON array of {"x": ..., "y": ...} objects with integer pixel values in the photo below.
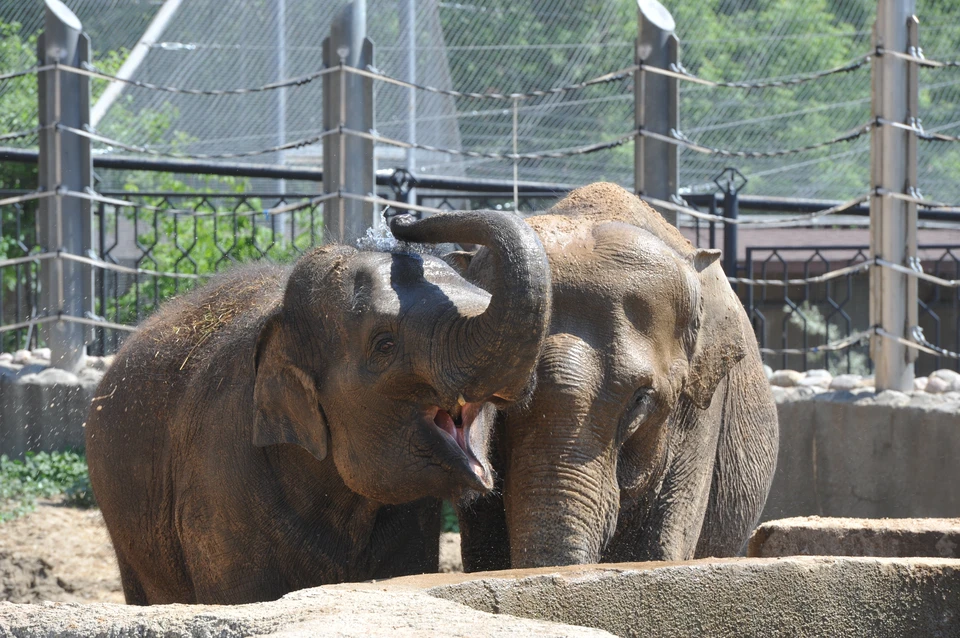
[
  {"x": 448, "y": 518},
  {"x": 42, "y": 475}
]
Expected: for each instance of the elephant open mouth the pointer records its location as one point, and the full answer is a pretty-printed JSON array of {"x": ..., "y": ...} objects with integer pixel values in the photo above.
[{"x": 455, "y": 425}]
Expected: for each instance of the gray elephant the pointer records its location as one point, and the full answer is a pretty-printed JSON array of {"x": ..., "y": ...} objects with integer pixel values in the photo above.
[
  {"x": 652, "y": 433},
  {"x": 283, "y": 428}
]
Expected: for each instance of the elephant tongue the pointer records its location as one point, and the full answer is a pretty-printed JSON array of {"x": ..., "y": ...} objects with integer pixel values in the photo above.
[{"x": 459, "y": 434}]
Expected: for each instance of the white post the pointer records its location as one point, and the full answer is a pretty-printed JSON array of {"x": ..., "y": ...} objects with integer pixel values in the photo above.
[
  {"x": 656, "y": 105},
  {"x": 893, "y": 168},
  {"x": 348, "y": 162},
  {"x": 64, "y": 223}
]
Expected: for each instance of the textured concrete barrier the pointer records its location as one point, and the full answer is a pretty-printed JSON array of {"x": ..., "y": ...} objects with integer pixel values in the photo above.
[
  {"x": 43, "y": 409},
  {"x": 866, "y": 455},
  {"x": 816, "y": 536},
  {"x": 876, "y": 597}
]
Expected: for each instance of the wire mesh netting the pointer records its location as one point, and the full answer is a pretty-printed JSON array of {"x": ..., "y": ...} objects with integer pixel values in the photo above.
[{"x": 500, "y": 46}]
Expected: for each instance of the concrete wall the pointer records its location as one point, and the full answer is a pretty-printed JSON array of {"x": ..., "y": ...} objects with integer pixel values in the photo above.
[
  {"x": 867, "y": 455},
  {"x": 43, "y": 409},
  {"x": 797, "y": 596}
]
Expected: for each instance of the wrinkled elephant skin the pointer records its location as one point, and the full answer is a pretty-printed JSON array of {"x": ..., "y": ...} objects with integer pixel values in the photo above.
[
  {"x": 652, "y": 433},
  {"x": 283, "y": 428}
]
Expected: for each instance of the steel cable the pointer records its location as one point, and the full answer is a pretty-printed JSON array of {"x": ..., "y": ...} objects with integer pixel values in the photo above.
[
  {"x": 309, "y": 141},
  {"x": 606, "y": 78},
  {"x": 91, "y": 71},
  {"x": 679, "y": 139},
  {"x": 680, "y": 73},
  {"x": 773, "y": 223},
  {"x": 276, "y": 210},
  {"x": 582, "y": 150},
  {"x": 916, "y": 59},
  {"x": 816, "y": 279},
  {"x": 833, "y": 346}
]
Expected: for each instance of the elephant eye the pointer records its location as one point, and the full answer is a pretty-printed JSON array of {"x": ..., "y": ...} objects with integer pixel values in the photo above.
[
  {"x": 641, "y": 406},
  {"x": 386, "y": 345}
]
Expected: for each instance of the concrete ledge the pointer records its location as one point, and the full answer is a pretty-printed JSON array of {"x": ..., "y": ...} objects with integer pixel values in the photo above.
[
  {"x": 937, "y": 537},
  {"x": 800, "y": 596},
  {"x": 312, "y": 612},
  {"x": 876, "y": 597}
]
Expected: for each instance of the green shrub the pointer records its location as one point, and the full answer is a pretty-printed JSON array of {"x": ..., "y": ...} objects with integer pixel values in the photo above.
[{"x": 42, "y": 475}]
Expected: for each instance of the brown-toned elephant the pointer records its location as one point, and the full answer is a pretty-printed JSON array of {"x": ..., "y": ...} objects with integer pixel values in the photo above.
[
  {"x": 283, "y": 428},
  {"x": 652, "y": 433}
]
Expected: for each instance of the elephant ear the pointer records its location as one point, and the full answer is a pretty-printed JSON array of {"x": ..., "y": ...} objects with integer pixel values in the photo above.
[
  {"x": 288, "y": 408},
  {"x": 719, "y": 342}
]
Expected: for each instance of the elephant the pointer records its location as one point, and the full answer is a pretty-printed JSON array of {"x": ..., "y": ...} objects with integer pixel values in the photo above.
[
  {"x": 285, "y": 427},
  {"x": 652, "y": 433}
]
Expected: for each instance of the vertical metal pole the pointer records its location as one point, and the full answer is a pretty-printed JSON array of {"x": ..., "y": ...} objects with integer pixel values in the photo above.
[
  {"x": 65, "y": 223},
  {"x": 281, "y": 93},
  {"x": 731, "y": 210},
  {"x": 408, "y": 25},
  {"x": 656, "y": 105},
  {"x": 348, "y": 161},
  {"x": 516, "y": 163},
  {"x": 893, "y": 296}
]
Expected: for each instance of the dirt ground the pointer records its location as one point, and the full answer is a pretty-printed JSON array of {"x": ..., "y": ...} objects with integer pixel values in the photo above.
[
  {"x": 58, "y": 553},
  {"x": 63, "y": 554}
]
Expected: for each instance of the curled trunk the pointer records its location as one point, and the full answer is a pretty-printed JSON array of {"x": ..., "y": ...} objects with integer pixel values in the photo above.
[{"x": 497, "y": 350}]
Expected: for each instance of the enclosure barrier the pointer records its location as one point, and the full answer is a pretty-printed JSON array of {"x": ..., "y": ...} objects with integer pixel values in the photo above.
[{"x": 349, "y": 177}]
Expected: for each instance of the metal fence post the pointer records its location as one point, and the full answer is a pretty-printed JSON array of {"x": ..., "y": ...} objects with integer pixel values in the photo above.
[
  {"x": 656, "y": 105},
  {"x": 64, "y": 223},
  {"x": 730, "y": 182},
  {"x": 348, "y": 162},
  {"x": 893, "y": 222}
]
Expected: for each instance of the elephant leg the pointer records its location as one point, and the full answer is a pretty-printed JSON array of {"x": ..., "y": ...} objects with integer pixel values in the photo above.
[
  {"x": 745, "y": 463},
  {"x": 406, "y": 539},
  {"x": 484, "y": 542},
  {"x": 133, "y": 590}
]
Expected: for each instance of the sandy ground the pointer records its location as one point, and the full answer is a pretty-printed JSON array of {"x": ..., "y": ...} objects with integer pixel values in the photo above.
[
  {"x": 64, "y": 554},
  {"x": 58, "y": 553}
]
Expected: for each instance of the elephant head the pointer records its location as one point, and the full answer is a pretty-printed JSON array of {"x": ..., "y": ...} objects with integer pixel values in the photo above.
[
  {"x": 388, "y": 362},
  {"x": 644, "y": 328}
]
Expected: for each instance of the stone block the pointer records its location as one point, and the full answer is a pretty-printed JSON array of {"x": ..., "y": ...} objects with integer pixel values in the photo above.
[{"x": 822, "y": 536}]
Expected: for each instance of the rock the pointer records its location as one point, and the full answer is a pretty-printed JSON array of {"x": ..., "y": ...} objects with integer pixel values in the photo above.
[
  {"x": 846, "y": 382},
  {"x": 920, "y": 384},
  {"x": 936, "y": 385},
  {"x": 817, "y": 379},
  {"x": 41, "y": 353},
  {"x": 892, "y": 398},
  {"x": 90, "y": 377},
  {"x": 96, "y": 363},
  {"x": 56, "y": 376},
  {"x": 310, "y": 612},
  {"x": 767, "y": 370},
  {"x": 950, "y": 377},
  {"x": 786, "y": 378},
  {"x": 817, "y": 536},
  {"x": 5, "y": 357},
  {"x": 21, "y": 356},
  {"x": 868, "y": 382}
]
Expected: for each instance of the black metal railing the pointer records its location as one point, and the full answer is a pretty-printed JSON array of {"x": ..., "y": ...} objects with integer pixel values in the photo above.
[{"x": 175, "y": 239}]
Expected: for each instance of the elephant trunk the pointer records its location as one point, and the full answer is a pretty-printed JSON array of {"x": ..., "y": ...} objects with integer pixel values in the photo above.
[
  {"x": 497, "y": 350},
  {"x": 558, "y": 512},
  {"x": 561, "y": 495}
]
